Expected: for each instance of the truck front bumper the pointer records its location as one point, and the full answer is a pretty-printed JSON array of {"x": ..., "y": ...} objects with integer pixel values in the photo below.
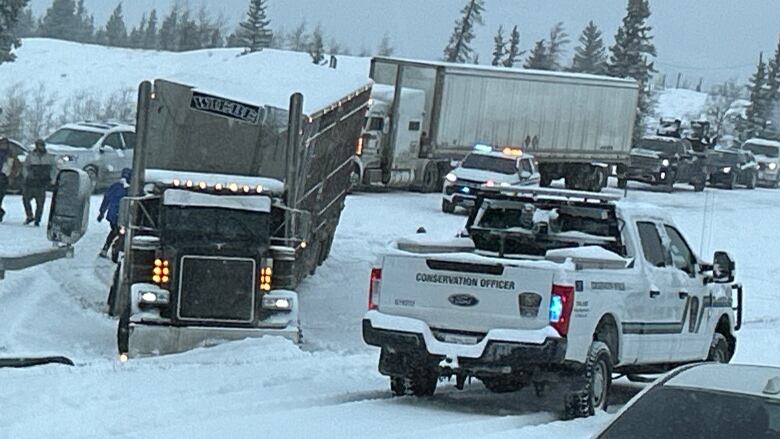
[
  {"x": 155, "y": 339},
  {"x": 648, "y": 175},
  {"x": 498, "y": 351}
]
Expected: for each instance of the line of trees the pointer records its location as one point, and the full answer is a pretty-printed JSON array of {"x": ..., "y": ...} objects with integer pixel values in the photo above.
[{"x": 762, "y": 115}]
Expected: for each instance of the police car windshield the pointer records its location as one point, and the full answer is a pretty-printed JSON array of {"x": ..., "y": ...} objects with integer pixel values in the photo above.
[
  {"x": 490, "y": 163},
  {"x": 765, "y": 150},
  {"x": 658, "y": 145},
  {"x": 675, "y": 412},
  {"x": 74, "y": 138}
]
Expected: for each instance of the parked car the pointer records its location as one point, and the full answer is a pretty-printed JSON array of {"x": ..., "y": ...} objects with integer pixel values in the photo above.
[
  {"x": 767, "y": 154},
  {"x": 664, "y": 161},
  {"x": 731, "y": 167},
  {"x": 15, "y": 185},
  {"x": 486, "y": 166},
  {"x": 707, "y": 400},
  {"x": 102, "y": 149}
]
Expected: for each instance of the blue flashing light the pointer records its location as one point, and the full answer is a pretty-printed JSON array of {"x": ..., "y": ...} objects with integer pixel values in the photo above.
[
  {"x": 483, "y": 148},
  {"x": 465, "y": 190},
  {"x": 556, "y": 308}
]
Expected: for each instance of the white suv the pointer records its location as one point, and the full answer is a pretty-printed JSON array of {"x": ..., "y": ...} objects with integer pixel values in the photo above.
[
  {"x": 767, "y": 153},
  {"x": 102, "y": 149}
]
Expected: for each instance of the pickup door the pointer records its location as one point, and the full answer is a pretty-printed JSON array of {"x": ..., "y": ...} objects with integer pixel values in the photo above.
[{"x": 472, "y": 297}]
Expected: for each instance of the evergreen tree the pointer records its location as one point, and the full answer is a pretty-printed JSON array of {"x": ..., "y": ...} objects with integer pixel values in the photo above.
[
  {"x": 9, "y": 20},
  {"x": 116, "y": 31},
  {"x": 591, "y": 56},
  {"x": 317, "y": 47},
  {"x": 298, "y": 38},
  {"x": 25, "y": 27},
  {"x": 539, "y": 59},
  {"x": 254, "y": 33},
  {"x": 499, "y": 48},
  {"x": 459, "y": 48},
  {"x": 629, "y": 56},
  {"x": 385, "y": 46},
  {"x": 757, "y": 112},
  {"x": 85, "y": 32},
  {"x": 773, "y": 76},
  {"x": 136, "y": 37},
  {"x": 189, "y": 37},
  {"x": 150, "y": 33},
  {"x": 513, "y": 53},
  {"x": 558, "y": 41},
  {"x": 60, "y": 21},
  {"x": 168, "y": 37}
]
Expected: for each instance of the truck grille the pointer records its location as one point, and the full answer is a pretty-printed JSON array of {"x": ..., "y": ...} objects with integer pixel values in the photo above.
[
  {"x": 217, "y": 289},
  {"x": 644, "y": 162}
]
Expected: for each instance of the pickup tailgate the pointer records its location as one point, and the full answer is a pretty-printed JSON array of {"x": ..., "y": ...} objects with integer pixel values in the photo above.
[{"x": 449, "y": 294}]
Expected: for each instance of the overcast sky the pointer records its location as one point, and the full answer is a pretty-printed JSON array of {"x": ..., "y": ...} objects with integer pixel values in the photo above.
[{"x": 717, "y": 39}]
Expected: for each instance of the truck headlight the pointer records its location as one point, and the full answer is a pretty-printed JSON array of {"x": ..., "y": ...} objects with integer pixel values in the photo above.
[
  {"x": 451, "y": 177},
  {"x": 772, "y": 166},
  {"x": 277, "y": 303},
  {"x": 726, "y": 170},
  {"x": 665, "y": 163},
  {"x": 158, "y": 297}
]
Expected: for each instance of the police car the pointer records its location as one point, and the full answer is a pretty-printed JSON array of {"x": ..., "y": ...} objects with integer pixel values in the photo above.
[
  {"x": 486, "y": 165},
  {"x": 554, "y": 288}
]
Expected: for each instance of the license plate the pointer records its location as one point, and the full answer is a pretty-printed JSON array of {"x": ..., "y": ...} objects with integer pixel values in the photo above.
[{"x": 460, "y": 339}]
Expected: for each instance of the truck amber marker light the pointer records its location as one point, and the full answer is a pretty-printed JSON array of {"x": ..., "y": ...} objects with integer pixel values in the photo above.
[{"x": 161, "y": 271}]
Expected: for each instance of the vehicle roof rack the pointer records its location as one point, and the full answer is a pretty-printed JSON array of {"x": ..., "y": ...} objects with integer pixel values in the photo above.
[{"x": 554, "y": 193}]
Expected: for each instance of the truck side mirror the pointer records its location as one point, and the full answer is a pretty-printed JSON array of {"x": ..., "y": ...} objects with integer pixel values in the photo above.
[
  {"x": 69, "y": 214},
  {"x": 723, "y": 268}
]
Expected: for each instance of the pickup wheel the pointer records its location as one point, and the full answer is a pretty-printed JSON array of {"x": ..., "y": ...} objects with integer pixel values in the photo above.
[
  {"x": 431, "y": 178},
  {"x": 719, "y": 349},
  {"x": 592, "y": 383},
  {"x": 447, "y": 207},
  {"x": 422, "y": 383}
]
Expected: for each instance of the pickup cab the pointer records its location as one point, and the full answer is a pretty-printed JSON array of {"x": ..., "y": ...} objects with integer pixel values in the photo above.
[{"x": 558, "y": 289}]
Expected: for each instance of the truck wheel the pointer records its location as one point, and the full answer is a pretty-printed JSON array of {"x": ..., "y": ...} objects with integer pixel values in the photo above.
[
  {"x": 422, "y": 383},
  {"x": 123, "y": 332},
  {"x": 719, "y": 349},
  {"x": 753, "y": 182},
  {"x": 447, "y": 207},
  {"x": 698, "y": 186},
  {"x": 669, "y": 183},
  {"x": 501, "y": 384},
  {"x": 113, "y": 290},
  {"x": 592, "y": 383},
  {"x": 732, "y": 183},
  {"x": 622, "y": 182},
  {"x": 545, "y": 179},
  {"x": 431, "y": 179},
  {"x": 597, "y": 180}
]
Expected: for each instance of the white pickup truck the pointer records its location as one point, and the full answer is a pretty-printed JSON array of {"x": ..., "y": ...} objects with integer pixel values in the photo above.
[{"x": 553, "y": 288}]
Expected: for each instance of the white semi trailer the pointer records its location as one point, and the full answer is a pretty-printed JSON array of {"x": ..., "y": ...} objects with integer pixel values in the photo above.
[{"x": 425, "y": 115}]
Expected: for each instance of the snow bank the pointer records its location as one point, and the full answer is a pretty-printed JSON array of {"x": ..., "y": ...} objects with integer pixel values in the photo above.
[{"x": 269, "y": 77}]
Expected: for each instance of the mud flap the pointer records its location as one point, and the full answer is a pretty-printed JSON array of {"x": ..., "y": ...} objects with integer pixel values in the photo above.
[{"x": 30, "y": 362}]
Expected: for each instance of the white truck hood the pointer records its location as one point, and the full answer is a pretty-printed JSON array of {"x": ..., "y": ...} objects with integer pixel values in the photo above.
[{"x": 483, "y": 176}]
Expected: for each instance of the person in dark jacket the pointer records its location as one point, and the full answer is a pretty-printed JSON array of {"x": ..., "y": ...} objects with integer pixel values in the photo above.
[
  {"x": 38, "y": 174},
  {"x": 8, "y": 167},
  {"x": 109, "y": 208}
]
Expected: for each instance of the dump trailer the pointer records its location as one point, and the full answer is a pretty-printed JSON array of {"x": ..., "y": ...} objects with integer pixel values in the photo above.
[
  {"x": 579, "y": 127},
  {"x": 232, "y": 203}
]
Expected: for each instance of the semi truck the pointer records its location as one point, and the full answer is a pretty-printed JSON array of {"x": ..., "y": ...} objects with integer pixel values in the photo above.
[
  {"x": 426, "y": 116},
  {"x": 232, "y": 203}
]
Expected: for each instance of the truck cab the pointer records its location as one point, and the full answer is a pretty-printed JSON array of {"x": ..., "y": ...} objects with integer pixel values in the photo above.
[
  {"x": 664, "y": 161},
  {"x": 558, "y": 289},
  {"x": 767, "y": 154},
  {"x": 486, "y": 165}
]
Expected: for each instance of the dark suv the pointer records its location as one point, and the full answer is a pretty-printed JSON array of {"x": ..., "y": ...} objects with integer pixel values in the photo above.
[
  {"x": 731, "y": 167},
  {"x": 664, "y": 161}
]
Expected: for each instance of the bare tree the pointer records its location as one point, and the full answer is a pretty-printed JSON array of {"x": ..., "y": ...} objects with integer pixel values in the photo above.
[{"x": 720, "y": 103}]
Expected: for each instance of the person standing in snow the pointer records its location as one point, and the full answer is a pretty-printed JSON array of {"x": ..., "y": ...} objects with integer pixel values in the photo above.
[
  {"x": 109, "y": 208},
  {"x": 8, "y": 169},
  {"x": 38, "y": 174}
]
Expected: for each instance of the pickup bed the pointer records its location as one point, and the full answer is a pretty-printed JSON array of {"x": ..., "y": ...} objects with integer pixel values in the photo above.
[{"x": 558, "y": 289}]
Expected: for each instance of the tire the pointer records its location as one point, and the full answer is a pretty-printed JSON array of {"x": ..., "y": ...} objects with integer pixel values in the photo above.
[
  {"x": 447, "y": 207},
  {"x": 719, "y": 349},
  {"x": 669, "y": 183},
  {"x": 545, "y": 179},
  {"x": 123, "y": 332},
  {"x": 753, "y": 182},
  {"x": 111, "y": 301},
  {"x": 431, "y": 178},
  {"x": 501, "y": 384},
  {"x": 699, "y": 186},
  {"x": 732, "y": 183},
  {"x": 423, "y": 383},
  {"x": 592, "y": 384}
]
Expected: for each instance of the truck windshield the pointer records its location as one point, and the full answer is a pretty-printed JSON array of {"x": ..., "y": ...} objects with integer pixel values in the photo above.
[
  {"x": 215, "y": 225},
  {"x": 765, "y": 150},
  {"x": 669, "y": 148},
  {"x": 490, "y": 163},
  {"x": 74, "y": 138},
  {"x": 724, "y": 158},
  {"x": 676, "y": 412},
  {"x": 514, "y": 228},
  {"x": 375, "y": 124}
]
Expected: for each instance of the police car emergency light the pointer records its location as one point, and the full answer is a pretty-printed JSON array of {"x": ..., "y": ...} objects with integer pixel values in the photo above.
[{"x": 506, "y": 150}]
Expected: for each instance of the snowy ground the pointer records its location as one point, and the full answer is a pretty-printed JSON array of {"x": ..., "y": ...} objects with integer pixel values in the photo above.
[{"x": 330, "y": 387}]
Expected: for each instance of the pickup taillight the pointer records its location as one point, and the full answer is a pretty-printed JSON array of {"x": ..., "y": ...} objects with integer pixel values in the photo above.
[
  {"x": 561, "y": 306},
  {"x": 374, "y": 287}
]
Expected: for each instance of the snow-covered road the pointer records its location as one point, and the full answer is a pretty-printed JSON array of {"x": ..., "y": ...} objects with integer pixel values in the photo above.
[{"x": 330, "y": 388}]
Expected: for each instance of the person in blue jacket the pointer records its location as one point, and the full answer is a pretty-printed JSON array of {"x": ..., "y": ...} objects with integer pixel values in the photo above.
[{"x": 109, "y": 208}]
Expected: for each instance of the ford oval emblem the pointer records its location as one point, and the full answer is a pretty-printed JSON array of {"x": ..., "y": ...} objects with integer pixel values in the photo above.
[{"x": 463, "y": 300}]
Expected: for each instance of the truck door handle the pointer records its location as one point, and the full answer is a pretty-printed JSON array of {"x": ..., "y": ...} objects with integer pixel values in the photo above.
[
  {"x": 654, "y": 293},
  {"x": 683, "y": 295}
]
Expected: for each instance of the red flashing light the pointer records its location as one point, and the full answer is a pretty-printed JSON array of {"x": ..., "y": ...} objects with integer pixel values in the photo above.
[{"x": 373, "y": 288}]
